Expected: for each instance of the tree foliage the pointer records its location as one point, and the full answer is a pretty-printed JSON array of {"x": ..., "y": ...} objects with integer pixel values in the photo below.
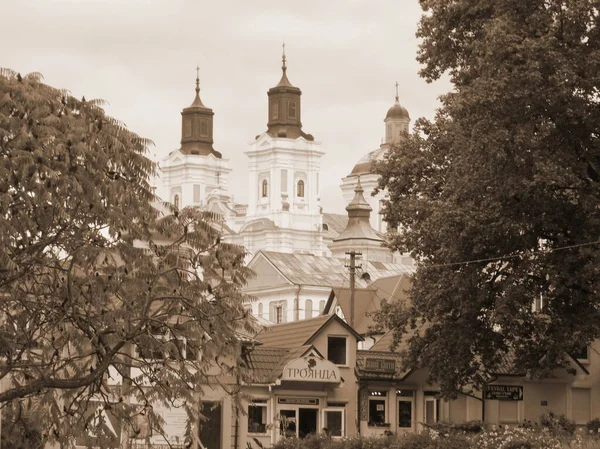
[
  {"x": 109, "y": 300},
  {"x": 498, "y": 197}
]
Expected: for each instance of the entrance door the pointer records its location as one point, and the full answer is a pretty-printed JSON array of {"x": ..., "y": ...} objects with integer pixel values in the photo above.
[
  {"x": 209, "y": 429},
  {"x": 308, "y": 421}
]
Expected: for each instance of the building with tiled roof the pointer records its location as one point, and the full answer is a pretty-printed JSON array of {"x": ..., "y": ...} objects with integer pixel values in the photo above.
[{"x": 290, "y": 287}]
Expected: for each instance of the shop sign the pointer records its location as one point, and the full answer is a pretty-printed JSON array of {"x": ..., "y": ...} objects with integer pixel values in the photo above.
[
  {"x": 504, "y": 392},
  {"x": 298, "y": 401},
  {"x": 380, "y": 365},
  {"x": 311, "y": 369}
]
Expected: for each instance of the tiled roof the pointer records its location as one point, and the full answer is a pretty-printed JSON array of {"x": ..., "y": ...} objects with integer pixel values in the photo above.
[
  {"x": 293, "y": 334},
  {"x": 366, "y": 372},
  {"x": 262, "y": 361},
  {"x": 306, "y": 269},
  {"x": 266, "y": 363}
]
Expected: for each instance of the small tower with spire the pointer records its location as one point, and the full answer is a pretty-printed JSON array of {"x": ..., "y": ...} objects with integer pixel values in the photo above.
[
  {"x": 359, "y": 235},
  {"x": 285, "y": 107},
  {"x": 197, "y": 126},
  {"x": 396, "y": 122}
]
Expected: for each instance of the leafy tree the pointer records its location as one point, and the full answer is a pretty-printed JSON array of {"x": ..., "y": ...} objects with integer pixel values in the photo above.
[
  {"x": 20, "y": 428},
  {"x": 497, "y": 197},
  {"x": 110, "y": 301}
]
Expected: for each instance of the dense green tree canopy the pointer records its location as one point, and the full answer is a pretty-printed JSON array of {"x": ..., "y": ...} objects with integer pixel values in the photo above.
[
  {"x": 107, "y": 296},
  {"x": 498, "y": 197}
]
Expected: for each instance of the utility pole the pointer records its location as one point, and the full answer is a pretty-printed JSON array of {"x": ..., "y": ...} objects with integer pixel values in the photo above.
[{"x": 352, "y": 268}]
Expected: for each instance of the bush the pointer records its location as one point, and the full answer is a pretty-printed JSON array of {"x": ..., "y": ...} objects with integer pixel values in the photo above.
[
  {"x": 593, "y": 426},
  {"x": 558, "y": 424}
]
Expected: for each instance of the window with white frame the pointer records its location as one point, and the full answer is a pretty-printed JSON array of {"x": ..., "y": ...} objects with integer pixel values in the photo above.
[
  {"x": 336, "y": 350},
  {"x": 308, "y": 309},
  {"x": 432, "y": 407},
  {"x": 260, "y": 310},
  {"x": 333, "y": 421},
  {"x": 300, "y": 189},
  {"x": 176, "y": 201},
  {"x": 265, "y": 188},
  {"x": 257, "y": 416},
  {"x": 377, "y": 408},
  {"x": 277, "y": 312}
]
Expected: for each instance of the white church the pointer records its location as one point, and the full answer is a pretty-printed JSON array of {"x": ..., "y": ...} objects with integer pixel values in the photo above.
[{"x": 283, "y": 220}]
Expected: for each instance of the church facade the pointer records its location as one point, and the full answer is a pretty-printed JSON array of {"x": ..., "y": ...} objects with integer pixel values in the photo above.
[{"x": 283, "y": 213}]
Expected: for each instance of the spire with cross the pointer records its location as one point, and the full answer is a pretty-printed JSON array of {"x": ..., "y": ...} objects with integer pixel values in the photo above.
[{"x": 283, "y": 67}]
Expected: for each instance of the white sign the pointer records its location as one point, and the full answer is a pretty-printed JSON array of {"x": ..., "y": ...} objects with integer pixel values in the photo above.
[{"x": 311, "y": 369}]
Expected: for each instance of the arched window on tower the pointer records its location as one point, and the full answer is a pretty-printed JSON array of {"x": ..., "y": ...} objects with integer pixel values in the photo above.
[
  {"x": 265, "y": 188},
  {"x": 275, "y": 111},
  {"x": 300, "y": 189},
  {"x": 176, "y": 201}
]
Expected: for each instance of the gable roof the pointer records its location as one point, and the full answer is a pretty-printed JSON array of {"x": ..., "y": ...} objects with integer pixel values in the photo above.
[
  {"x": 367, "y": 301},
  {"x": 298, "y": 333},
  {"x": 307, "y": 269}
]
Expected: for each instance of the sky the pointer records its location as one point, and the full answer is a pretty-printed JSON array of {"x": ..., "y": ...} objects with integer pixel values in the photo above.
[{"x": 141, "y": 55}]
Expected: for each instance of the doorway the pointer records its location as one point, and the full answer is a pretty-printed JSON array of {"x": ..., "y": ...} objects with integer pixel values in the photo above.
[
  {"x": 308, "y": 421},
  {"x": 209, "y": 429}
]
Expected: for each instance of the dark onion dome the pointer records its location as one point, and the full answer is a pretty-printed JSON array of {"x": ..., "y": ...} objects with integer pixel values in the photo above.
[
  {"x": 397, "y": 111},
  {"x": 366, "y": 164}
]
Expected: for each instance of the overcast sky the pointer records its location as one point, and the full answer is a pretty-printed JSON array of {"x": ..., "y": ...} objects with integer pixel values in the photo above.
[{"x": 140, "y": 56}]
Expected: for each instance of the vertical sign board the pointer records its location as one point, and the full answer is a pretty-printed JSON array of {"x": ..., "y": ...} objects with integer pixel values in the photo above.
[{"x": 504, "y": 392}]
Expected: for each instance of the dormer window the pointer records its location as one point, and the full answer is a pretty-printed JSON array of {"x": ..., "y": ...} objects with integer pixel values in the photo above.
[
  {"x": 336, "y": 350},
  {"x": 300, "y": 189},
  {"x": 291, "y": 109},
  {"x": 265, "y": 188}
]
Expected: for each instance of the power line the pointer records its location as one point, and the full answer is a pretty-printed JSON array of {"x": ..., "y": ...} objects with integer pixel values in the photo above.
[{"x": 514, "y": 256}]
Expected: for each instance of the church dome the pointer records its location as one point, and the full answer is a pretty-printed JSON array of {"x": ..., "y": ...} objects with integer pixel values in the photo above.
[
  {"x": 366, "y": 163},
  {"x": 397, "y": 111}
]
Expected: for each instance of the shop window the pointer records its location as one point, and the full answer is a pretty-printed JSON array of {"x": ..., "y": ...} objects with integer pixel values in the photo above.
[
  {"x": 265, "y": 188},
  {"x": 432, "y": 407},
  {"x": 308, "y": 309},
  {"x": 333, "y": 422},
  {"x": 257, "y": 416},
  {"x": 336, "y": 350},
  {"x": 377, "y": 409},
  {"x": 300, "y": 189}
]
